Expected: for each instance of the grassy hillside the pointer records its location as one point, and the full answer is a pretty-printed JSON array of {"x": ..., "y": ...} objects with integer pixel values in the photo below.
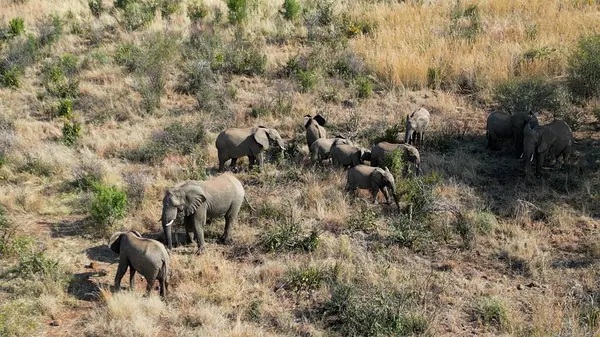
[{"x": 105, "y": 105}]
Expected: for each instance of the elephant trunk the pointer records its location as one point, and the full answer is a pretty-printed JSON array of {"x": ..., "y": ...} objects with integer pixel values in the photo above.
[
  {"x": 168, "y": 219},
  {"x": 168, "y": 236},
  {"x": 408, "y": 136}
]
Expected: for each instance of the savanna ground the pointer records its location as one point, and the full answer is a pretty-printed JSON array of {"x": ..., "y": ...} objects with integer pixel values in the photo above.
[{"x": 105, "y": 105}]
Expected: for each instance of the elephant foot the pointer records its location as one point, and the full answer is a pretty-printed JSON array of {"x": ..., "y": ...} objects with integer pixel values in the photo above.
[
  {"x": 200, "y": 250},
  {"x": 226, "y": 241}
]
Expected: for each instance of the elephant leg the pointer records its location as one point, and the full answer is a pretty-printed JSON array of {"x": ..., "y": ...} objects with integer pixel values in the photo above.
[
  {"x": 374, "y": 192},
  {"x": 229, "y": 221},
  {"x": 251, "y": 162},
  {"x": 222, "y": 161},
  {"x": 386, "y": 194},
  {"x": 199, "y": 223},
  {"x": 149, "y": 287},
  {"x": 260, "y": 159},
  {"x": 539, "y": 161},
  {"x": 131, "y": 277},
  {"x": 121, "y": 270},
  {"x": 162, "y": 286},
  {"x": 189, "y": 229},
  {"x": 233, "y": 164}
]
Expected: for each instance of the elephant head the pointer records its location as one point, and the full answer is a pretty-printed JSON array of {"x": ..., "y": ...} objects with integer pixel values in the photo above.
[
  {"x": 114, "y": 243},
  {"x": 536, "y": 140},
  {"x": 519, "y": 121},
  {"x": 265, "y": 136},
  {"x": 413, "y": 156},
  {"x": 185, "y": 197},
  {"x": 384, "y": 179},
  {"x": 365, "y": 154},
  {"x": 318, "y": 119},
  {"x": 411, "y": 125}
]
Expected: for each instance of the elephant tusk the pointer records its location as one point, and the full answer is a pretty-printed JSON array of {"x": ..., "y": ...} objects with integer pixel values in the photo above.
[
  {"x": 531, "y": 158},
  {"x": 170, "y": 223},
  {"x": 521, "y": 156}
]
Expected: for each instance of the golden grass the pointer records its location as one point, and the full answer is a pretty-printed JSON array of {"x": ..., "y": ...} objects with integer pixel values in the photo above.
[{"x": 412, "y": 38}]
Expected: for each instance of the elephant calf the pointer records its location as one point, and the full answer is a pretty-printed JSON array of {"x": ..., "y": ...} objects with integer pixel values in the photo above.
[
  {"x": 149, "y": 257},
  {"x": 501, "y": 125},
  {"x": 321, "y": 148},
  {"x": 537, "y": 142},
  {"x": 409, "y": 153},
  {"x": 416, "y": 125},
  {"x": 373, "y": 178},
  {"x": 345, "y": 155},
  {"x": 234, "y": 143},
  {"x": 222, "y": 195},
  {"x": 314, "y": 128}
]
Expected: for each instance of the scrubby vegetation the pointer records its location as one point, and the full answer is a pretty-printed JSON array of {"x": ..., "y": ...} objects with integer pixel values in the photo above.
[{"x": 106, "y": 104}]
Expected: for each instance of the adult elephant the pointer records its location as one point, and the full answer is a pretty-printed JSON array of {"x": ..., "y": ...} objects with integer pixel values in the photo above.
[
  {"x": 501, "y": 125},
  {"x": 373, "y": 178},
  {"x": 417, "y": 123},
  {"x": 538, "y": 141},
  {"x": 314, "y": 128},
  {"x": 234, "y": 143},
  {"x": 409, "y": 154},
  {"x": 198, "y": 200},
  {"x": 146, "y": 256},
  {"x": 344, "y": 155}
]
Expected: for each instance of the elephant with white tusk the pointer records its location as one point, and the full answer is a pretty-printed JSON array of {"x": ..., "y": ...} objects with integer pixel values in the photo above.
[
  {"x": 373, "y": 178},
  {"x": 417, "y": 123},
  {"x": 146, "y": 256},
  {"x": 234, "y": 143},
  {"x": 409, "y": 154},
  {"x": 555, "y": 137},
  {"x": 222, "y": 195},
  {"x": 314, "y": 128},
  {"x": 501, "y": 125}
]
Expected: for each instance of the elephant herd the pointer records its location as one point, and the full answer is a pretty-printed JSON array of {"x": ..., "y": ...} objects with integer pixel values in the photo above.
[
  {"x": 223, "y": 195},
  {"x": 531, "y": 140}
]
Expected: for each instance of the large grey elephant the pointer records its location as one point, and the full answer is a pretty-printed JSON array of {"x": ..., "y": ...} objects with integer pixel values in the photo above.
[
  {"x": 320, "y": 150},
  {"x": 314, "y": 128},
  {"x": 234, "y": 143},
  {"x": 344, "y": 155},
  {"x": 501, "y": 125},
  {"x": 409, "y": 153},
  {"x": 555, "y": 137},
  {"x": 373, "y": 178},
  {"x": 221, "y": 195},
  {"x": 416, "y": 125},
  {"x": 148, "y": 257}
]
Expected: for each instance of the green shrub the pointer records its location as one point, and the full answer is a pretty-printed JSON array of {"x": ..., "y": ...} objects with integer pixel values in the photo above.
[
  {"x": 291, "y": 9},
  {"x": 364, "y": 87},
  {"x": 394, "y": 161},
  {"x": 50, "y": 29},
  {"x": 286, "y": 235},
  {"x": 307, "y": 80},
  {"x": 60, "y": 76},
  {"x": 65, "y": 109},
  {"x": 584, "y": 68},
  {"x": 11, "y": 77},
  {"x": 169, "y": 7},
  {"x": 71, "y": 132},
  {"x": 304, "y": 279},
  {"x": 96, "y": 7},
  {"x": 372, "y": 312},
  {"x": 490, "y": 311},
  {"x": 362, "y": 219},
  {"x": 419, "y": 193},
  {"x": 127, "y": 55},
  {"x": 197, "y": 11},
  {"x": 136, "y": 15},
  {"x": 245, "y": 57},
  {"x": 238, "y": 11},
  {"x": 16, "y": 27},
  {"x": 121, "y": 4},
  {"x": 530, "y": 96},
  {"x": 109, "y": 204}
]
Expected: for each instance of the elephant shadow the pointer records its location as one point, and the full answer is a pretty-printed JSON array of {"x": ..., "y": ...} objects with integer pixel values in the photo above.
[
  {"x": 102, "y": 253},
  {"x": 83, "y": 287}
]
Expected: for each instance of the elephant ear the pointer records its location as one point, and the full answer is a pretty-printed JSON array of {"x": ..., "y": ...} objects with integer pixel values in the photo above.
[
  {"x": 193, "y": 198},
  {"x": 547, "y": 139},
  {"x": 136, "y": 233},
  {"x": 114, "y": 243},
  {"x": 377, "y": 176},
  {"x": 320, "y": 119},
  {"x": 387, "y": 169},
  {"x": 307, "y": 120},
  {"x": 261, "y": 137}
]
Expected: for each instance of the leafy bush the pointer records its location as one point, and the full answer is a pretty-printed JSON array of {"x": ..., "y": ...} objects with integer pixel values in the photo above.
[
  {"x": 197, "y": 11},
  {"x": 364, "y": 87},
  {"x": 362, "y": 219},
  {"x": 59, "y": 76},
  {"x": 372, "y": 312},
  {"x": 65, "y": 109},
  {"x": 96, "y": 7},
  {"x": 50, "y": 29},
  {"x": 245, "y": 57},
  {"x": 584, "y": 68},
  {"x": 291, "y": 9},
  {"x": 71, "y": 132},
  {"x": 109, "y": 204},
  {"x": 136, "y": 15},
  {"x": 307, "y": 80},
  {"x": 127, "y": 55},
  {"x": 419, "y": 193},
  {"x": 238, "y": 11},
  {"x": 16, "y": 27},
  {"x": 304, "y": 279},
  {"x": 169, "y": 7},
  {"x": 286, "y": 235},
  {"x": 490, "y": 311},
  {"x": 530, "y": 96},
  {"x": 11, "y": 77}
]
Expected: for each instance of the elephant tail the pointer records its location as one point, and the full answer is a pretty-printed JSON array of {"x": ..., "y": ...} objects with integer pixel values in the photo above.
[{"x": 252, "y": 208}]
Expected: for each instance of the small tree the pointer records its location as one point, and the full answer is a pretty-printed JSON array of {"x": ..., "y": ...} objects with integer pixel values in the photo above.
[
  {"x": 238, "y": 11},
  {"x": 109, "y": 204}
]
